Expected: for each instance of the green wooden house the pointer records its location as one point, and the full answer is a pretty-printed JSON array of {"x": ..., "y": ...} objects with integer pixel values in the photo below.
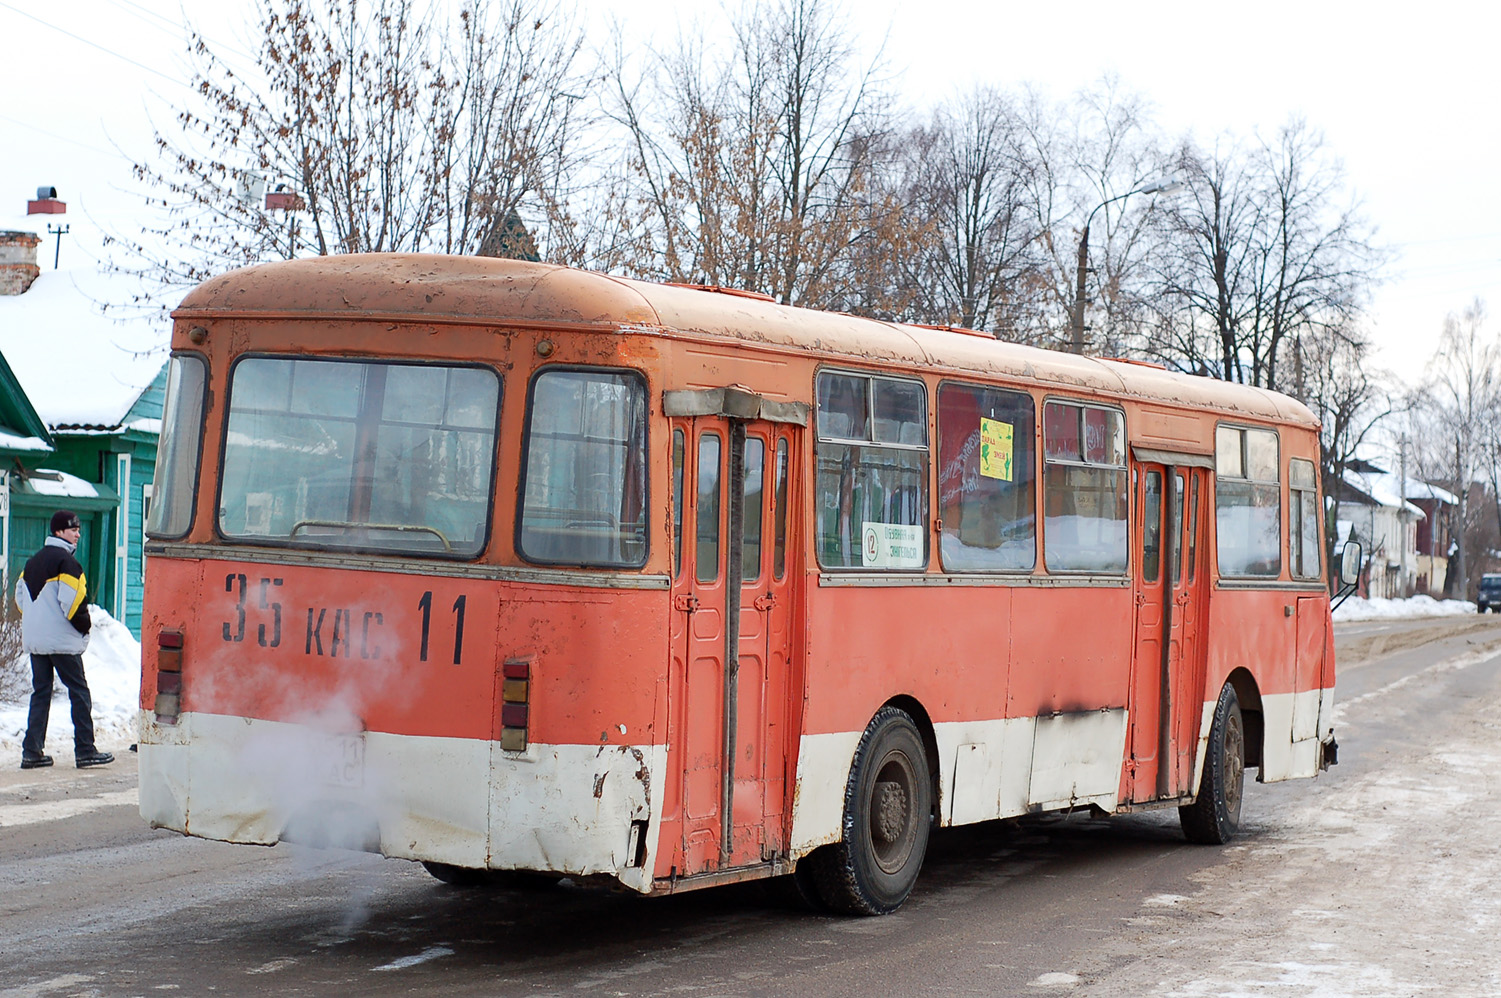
[{"x": 81, "y": 392}]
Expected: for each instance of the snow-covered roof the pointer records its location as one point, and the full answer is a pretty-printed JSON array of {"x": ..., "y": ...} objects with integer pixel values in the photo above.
[
  {"x": 81, "y": 348},
  {"x": 1387, "y": 489},
  {"x": 1423, "y": 490},
  {"x": 63, "y": 485},
  {"x": 11, "y": 442}
]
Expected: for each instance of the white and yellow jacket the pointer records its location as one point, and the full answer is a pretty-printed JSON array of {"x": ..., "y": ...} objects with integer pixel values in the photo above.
[{"x": 53, "y": 596}]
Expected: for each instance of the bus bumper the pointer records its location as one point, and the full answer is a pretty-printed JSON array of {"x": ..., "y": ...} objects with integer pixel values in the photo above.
[{"x": 570, "y": 809}]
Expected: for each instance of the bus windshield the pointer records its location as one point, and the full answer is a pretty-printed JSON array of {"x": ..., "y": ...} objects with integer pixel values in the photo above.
[{"x": 368, "y": 455}]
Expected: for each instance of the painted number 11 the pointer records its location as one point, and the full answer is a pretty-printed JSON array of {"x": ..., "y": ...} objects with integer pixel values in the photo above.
[{"x": 426, "y": 605}]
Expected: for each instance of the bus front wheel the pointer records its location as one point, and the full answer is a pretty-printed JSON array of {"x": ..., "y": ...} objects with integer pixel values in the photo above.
[
  {"x": 888, "y": 805},
  {"x": 1214, "y": 816}
]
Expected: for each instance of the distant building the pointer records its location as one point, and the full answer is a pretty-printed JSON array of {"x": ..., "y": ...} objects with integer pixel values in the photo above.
[{"x": 1403, "y": 525}]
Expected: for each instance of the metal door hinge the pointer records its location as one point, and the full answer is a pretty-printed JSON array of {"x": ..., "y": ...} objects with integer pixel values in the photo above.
[
  {"x": 765, "y": 602},
  {"x": 685, "y": 603}
]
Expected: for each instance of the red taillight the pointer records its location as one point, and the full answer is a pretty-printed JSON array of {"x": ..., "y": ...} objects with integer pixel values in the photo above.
[
  {"x": 168, "y": 675},
  {"x": 515, "y": 696}
]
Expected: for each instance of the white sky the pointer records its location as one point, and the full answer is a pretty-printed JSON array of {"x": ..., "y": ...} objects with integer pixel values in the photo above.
[{"x": 1405, "y": 95}]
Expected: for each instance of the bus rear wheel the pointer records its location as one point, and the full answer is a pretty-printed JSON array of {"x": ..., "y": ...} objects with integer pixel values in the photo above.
[
  {"x": 888, "y": 805},
  {"x": 1214, "y": 816}
]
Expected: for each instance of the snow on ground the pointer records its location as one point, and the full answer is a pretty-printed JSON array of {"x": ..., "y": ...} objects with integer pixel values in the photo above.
[
  {"x": 1356, "y": 608},
  {"x": 112, "y": 665}
]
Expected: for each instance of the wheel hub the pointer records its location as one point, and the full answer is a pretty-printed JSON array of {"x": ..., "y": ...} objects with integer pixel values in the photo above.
[{"x": 890, "y": 811}]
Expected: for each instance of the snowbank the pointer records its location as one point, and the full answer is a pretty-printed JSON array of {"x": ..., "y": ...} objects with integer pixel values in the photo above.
[
  {"x": 112, "y": 666},
  {"x": 1356, "y": 608}
]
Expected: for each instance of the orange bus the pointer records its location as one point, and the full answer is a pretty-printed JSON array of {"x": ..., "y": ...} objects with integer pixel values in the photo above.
[{"x": 503, "y": 566}]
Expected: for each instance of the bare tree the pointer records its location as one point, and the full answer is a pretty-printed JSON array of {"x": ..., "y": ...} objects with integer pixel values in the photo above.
[
  {"x": 1461, "y": 396},
  {"x": 755, "y": 168},
  {"x": 376, "y": 126},
  {"x": 1088, "y": 157},
  {"x": 1350, "y": 399},
  {"x": 976, "y": 264},
  {"x": 1262, "y": 253}
]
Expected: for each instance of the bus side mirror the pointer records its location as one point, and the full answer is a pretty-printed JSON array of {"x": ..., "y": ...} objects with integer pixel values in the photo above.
[{"x": 1349, "y": 563}]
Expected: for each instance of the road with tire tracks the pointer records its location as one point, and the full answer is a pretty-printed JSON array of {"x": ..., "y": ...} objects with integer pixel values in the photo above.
[{"x": 1374, "y": 879}]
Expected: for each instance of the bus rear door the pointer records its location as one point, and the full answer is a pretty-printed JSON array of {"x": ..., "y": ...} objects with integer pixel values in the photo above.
[{"x": 732, "y": 602}]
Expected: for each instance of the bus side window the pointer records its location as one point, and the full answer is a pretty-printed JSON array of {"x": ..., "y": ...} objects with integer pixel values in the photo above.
[
  {"x": 1247, "y": 502},
  {"x": 986, "y": 479},
  {"x": 677, "y": 503},
  {"x": 706, "y": 538},
  {"x": 872, "y": 473},
  {"x": 779, "y": 552},
  {"x": 1303, "y": 520},
  {"x": 584, "y": 487},
  {"x": 755, "y": 496},
  {"x": 1151, "y": 528},
  {"x": 1084, "y": 488}
]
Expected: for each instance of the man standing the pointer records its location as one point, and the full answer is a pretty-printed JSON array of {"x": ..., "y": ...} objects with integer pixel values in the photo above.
[{"x": 55, "y": 630}]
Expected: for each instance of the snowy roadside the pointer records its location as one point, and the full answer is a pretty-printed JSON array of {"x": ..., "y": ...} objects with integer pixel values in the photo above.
[
  {"x": 112, "y": 666},
  {"x": 1356, "y": 608}
]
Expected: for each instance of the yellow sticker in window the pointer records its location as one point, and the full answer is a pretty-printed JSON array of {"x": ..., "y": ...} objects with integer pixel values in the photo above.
[{"x": 996, "y": 449}]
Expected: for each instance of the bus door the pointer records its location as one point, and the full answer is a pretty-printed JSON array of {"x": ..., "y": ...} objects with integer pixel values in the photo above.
[
  {"x": 1190, "y": 611},
  {"x": 732, "y": 602},
  {"x": 1167, "y": 675}
]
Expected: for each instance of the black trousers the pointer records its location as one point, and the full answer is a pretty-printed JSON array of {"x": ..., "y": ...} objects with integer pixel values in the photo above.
[{"x": 69, "y": 669}]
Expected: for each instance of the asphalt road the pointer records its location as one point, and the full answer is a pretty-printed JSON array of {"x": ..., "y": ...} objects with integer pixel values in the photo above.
[{"x": 94, "y": 903}]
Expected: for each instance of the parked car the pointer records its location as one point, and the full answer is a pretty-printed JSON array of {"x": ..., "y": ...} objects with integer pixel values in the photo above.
[{"x": 1489, "y": 597}]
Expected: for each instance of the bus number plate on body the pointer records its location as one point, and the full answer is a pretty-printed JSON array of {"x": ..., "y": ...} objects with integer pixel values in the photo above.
[{"x": 340, "y": 760}]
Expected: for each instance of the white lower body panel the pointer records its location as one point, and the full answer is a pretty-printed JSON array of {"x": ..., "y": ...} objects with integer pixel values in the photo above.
[
  {"x": 986, "y": 770},
  {"x": 463, "y": 801},
  {"x": 1288, "y": 750}
]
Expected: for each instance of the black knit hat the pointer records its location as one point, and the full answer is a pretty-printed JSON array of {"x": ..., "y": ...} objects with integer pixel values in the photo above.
[{"x": 64, "y": 519}]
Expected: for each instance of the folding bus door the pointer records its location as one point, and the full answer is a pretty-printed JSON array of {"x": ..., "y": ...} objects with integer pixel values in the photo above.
[{"x": 731, "y": 603}]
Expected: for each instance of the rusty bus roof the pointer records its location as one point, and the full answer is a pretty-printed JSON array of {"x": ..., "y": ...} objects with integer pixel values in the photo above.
[{"x": 479, "y": 290}]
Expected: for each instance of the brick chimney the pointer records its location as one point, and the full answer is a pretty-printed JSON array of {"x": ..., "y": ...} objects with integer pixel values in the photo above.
[
  {"x": 46, "y": 203},
  {"x": 18, "y": 266}
]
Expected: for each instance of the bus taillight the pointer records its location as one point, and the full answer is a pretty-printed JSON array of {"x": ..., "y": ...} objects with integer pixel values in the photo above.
[
  {"x": 515, "y": 695},
  {"x": 168, "y": 676}
]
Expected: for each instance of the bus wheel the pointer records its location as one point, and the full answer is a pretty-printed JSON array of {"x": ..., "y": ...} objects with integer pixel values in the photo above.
[
  {"x": 888, "y": 805},
  {"x": 1214, "y": 817}
]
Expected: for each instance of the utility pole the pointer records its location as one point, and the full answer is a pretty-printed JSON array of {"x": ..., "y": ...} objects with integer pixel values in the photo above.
[
  {"x": 57, "y": 252},
  {"x": 1402, "y": 514},
  {"x": 1076, "y": 338}
]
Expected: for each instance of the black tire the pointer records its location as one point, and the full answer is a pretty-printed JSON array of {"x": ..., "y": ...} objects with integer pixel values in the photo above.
[
  {"x": 888, "y": 805},
  {"x": 797, "y": 890},
  {"x": 468, "y": 877},
  {"x": 1214, "y": 816},
  {"x": 457, "y": 876}
]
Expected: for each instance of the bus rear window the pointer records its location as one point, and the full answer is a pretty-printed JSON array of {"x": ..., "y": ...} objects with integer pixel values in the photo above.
[
  {"x": 173, "y": 488},
  {"x": 584, "y": 491},
  {"x": 350, "y": 454}
]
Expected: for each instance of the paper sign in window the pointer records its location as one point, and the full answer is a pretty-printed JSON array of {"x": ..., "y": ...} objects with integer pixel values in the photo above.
[{"x": 997, "y": 448}]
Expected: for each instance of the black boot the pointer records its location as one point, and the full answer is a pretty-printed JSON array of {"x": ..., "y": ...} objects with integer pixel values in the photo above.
[
  {"x": 95, "y": 758},
  {"x": 35, "y": 761}
]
